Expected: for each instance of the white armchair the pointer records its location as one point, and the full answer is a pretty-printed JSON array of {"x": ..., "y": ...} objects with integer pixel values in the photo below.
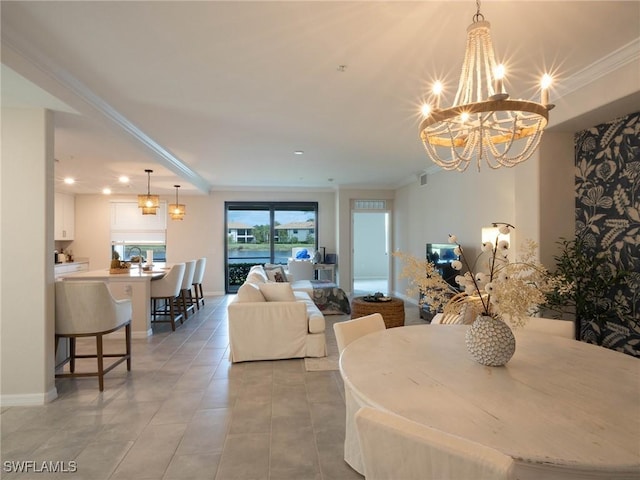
[
  {"x": 87, "y": 309},
  {"x": 300, "y": 270}
]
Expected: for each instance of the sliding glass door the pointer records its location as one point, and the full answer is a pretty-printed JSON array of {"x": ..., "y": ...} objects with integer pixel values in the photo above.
[{"x": 266, "y": 232}]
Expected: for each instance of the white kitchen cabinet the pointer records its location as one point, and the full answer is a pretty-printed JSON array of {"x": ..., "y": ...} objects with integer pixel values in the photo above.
[
  {"x": 65, "y": 216},
  {"x": 63, "y": 269}
]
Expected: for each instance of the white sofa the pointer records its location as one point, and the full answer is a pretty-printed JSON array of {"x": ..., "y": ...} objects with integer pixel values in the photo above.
[{"x": 270, "y": 320}]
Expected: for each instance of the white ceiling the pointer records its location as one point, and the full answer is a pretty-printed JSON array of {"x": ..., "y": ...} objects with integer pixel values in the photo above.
[{"x": 229, "y": 90}]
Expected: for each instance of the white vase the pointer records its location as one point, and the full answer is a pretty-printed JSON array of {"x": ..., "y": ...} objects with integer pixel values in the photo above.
[{"x": 490, "y": 341}]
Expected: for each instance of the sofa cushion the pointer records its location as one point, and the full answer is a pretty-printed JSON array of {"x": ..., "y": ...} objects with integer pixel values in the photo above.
[
  {"x": 249, "y": 292},
  {"x": 314, "y": 315},
  {"x": 256, "y": 278},
  {"x": 277, "y": 292}
]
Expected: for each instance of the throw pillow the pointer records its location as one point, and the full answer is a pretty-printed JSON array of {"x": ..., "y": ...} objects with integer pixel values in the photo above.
[
  {"x": 277, "y": 292},
  {"x": 275, "y": 273},
  {"x": 249, "y": 292}
]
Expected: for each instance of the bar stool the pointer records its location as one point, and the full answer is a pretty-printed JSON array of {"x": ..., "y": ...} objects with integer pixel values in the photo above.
[
  {"x": 87, "y": 309},
  {"x": 186, "y": 298},
  {"x": 167, "y": 289},
  {"x": 198, "y": 276}
]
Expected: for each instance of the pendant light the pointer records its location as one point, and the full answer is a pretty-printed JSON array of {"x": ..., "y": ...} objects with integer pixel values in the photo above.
[
  {"x": 149, "y": 203},
  {"x": 176, "y": 210}
]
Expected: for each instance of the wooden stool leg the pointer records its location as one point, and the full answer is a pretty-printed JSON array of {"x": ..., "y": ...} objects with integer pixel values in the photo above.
[
  {"x": 100, "y": 362},
  {"x": 127, "y": 333},
  {"x": 171, "y": 314},
  {"x": 72, "y": 354},
  {"x": 195, "y": 292}
]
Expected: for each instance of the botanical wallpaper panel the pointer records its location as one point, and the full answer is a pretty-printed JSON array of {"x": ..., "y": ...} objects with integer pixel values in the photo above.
[{"x": 608, "y": 215}]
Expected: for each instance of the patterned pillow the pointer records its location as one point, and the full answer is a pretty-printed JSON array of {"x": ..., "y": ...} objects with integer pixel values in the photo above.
[{"x": 275, "y": 273}]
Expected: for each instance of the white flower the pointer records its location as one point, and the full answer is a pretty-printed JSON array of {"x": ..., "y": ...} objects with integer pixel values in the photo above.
[
  {"x": 504, "y": 230},
  {"x": 488, "y": 287},
  {"x": 460, "y": 280},
  {"x": 487, "y": 247},
  {"x": 481, "y": 277},
  {"x": 503, "y": 277},
  {"x": 503, "y": 245},
  {"x": 456, "y": 265},
  {"x": 470, "y": 289},
  {"x": 453, "y": 239},
  {"x": 458, "y": 250}
]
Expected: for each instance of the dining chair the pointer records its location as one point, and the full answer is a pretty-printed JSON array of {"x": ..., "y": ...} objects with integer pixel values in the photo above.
[
  {"x": 167, "y": 289},
  {"x": 350, "y": 330},
  {"x": 394, "y": 447},
  {"x": 198, "y": 277},
  {"x": 551, "y": 326},
  {"x": 347, "y": 332},
  {"x": 87, "y": 309}
]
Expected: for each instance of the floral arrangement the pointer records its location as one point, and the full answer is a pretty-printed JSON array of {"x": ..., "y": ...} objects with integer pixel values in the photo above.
[{"x": 501, "y": 289}]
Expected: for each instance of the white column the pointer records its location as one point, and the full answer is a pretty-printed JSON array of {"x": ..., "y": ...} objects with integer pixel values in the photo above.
[{"x": 26, "y": 259}]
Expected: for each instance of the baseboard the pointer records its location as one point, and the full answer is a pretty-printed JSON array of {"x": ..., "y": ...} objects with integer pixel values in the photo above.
[
  {"x": 213, "y": 294},
  {"x": 134, "y": 334},
  {"x": 28, "y": 399}
]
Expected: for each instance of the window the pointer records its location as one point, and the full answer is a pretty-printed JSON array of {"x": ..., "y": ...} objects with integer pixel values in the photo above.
[
  {"x": 265, "y": 232},
  {"x": 132, "y": 233}
]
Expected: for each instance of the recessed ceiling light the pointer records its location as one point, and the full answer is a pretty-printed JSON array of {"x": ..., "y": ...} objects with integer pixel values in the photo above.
[
  {"x": 299, "y": 152},
  {"x": 123, "y": 179},
  {"x": 106, "y": 191},
  {"x": 69, "y": 181}
]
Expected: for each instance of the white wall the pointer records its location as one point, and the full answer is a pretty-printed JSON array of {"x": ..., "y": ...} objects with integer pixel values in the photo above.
[
  {"x": 26, "y": 260},
  {"x": 200, "y": 234},
  {"x": 536, "y": 197},
  {"x": 370, "y": 258},
  {"x": 557, "y": 194},
  {"x": 451, "y": 202}
]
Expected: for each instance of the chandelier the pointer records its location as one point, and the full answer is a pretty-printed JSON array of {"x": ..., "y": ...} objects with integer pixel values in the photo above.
[
  {"x": 483, "y": 123},
  {"x": 176, "y": 210},
  {"x": 148, "y": 203}
]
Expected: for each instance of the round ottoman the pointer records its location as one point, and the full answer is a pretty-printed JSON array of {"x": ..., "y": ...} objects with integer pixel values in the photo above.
[{"x": 392, "y": 311}]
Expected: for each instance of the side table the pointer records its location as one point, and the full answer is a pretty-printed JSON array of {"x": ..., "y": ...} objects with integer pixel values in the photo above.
[{"x": 392, "y": 311}]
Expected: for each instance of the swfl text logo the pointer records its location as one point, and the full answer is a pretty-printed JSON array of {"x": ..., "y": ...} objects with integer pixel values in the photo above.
[{"x": 24, "y": 466}]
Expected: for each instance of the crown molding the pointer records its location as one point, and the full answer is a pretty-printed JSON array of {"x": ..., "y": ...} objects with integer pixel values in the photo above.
[
  {"x": 17, "y": 46},
  {"x": 615, "y": 60}
]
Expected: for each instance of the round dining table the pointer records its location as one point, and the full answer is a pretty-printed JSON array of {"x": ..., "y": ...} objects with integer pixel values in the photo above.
[{"x": 562, "y": 409}]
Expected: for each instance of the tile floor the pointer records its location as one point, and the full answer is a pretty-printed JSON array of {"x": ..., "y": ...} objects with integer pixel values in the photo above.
[{"x": 186, "y": 412}]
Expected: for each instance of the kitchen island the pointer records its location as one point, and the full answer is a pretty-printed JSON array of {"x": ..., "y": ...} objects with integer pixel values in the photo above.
[{"x": 136, "y": 285}]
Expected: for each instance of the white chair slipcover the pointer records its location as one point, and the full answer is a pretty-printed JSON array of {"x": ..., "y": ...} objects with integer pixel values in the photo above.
[
  {"x": 186, "y": 299},
  {"x": 350, "y": 330},
  {"x": 396, "y": 448},
  {"x": 346, "y": 332},
  {"x": 87, "y": 309},
  {"x": 167, "y": 288},
  {"x": 198, "y": 277}
]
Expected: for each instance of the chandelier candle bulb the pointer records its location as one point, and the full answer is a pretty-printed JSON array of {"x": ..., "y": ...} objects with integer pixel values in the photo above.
[
  {"x": 437, "y": 90},
  {"x": 499, "y": 79},
  {"x": 544, "y": 86}
]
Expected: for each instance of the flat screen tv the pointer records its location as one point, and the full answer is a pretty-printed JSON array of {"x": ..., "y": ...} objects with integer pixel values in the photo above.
[{"x": 441, "y": 255}]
